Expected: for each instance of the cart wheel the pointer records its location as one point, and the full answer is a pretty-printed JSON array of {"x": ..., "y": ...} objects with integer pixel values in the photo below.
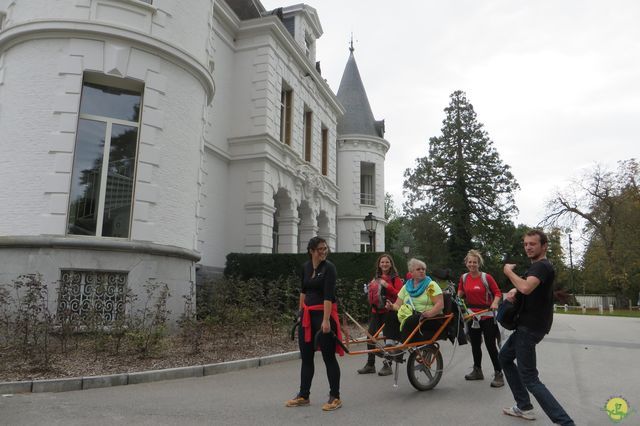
[{"x": 424, "y": 367}]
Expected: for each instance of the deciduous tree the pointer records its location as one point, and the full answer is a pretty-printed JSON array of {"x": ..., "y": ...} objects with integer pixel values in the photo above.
[{"x": 605, "y": 204}]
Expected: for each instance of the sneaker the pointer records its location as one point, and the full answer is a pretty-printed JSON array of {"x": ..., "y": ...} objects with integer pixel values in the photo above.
[
  {"x": 516, "y": 412},
  {"x": 386, "y": 369},
  {"x": 498, "y": 380},
  {"x": 298, "y": 401},
  {"x": 333, "y": 404},
  {"x": 367, "y": 369},
  {"x": 476, "y": 374}
]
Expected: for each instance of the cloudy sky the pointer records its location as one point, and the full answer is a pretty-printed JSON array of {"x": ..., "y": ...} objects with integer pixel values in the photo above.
[{"x": 555, "y": 83}]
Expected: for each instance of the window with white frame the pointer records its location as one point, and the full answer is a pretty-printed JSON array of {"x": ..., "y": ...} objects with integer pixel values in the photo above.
[
  {"x": 307, "y": 124},
  {"x": 104, "y": 163},
  {"x": 365, "y": 242},
  {"x": 286, "y": 99},
  {"x": 367, "y": 184}
]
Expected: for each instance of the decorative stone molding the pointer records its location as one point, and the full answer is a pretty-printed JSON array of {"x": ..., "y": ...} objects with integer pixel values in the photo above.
[
  {"x": 106, "y": 31},
  {"x": 100, "y": 244}
]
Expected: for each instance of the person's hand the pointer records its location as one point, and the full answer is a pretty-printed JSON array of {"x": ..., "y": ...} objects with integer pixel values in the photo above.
[
  {"x": 326, "y": 327},
  {"x": 508, "y": 267},
  {"x": 511, "y": 295},
  {"x": 425, "y": 314},
  {"x": 388, "y": 306}
]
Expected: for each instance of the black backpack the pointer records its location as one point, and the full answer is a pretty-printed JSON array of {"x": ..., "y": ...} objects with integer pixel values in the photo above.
[
  {"x": 453, "y": 304},
  {"x": 509, "y": 312}
]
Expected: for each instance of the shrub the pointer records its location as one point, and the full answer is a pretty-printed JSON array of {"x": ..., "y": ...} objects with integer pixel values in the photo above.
[{"x": 149, "y": 325}]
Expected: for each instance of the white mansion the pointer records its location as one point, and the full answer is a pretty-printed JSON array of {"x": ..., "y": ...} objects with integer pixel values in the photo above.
[{"x": 144, "y": 140}]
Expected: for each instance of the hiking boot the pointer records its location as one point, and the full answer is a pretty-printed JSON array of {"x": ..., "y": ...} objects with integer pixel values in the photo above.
[
  {"x": 333, "y": 404},
  {"x": 476, "y": 374},
  {"x": 498, "y": 380},
  {"x": 298, "y": 401},
  {"x": 367, "y": 369},
  {"x": 516, "y": 412},
  {"x": 386, "y": 369}
]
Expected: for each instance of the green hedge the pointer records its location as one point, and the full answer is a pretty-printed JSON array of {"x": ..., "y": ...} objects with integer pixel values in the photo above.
[
  {"x": 278, "y": 273},
  {"x": 351, "y": 267}
]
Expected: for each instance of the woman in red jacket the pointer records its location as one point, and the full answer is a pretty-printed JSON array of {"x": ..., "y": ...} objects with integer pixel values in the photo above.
[
  {"x": 480, "y": 292},
  {"x": 388, "y": 279}
]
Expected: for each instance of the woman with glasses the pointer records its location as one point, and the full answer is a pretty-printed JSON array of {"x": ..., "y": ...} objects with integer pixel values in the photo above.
[
  {"x": 420, "y": 298},
  {"x": 319, "y": 312}
]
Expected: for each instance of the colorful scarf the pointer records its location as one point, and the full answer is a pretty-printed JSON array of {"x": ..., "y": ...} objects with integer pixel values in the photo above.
[{"x": 415, "y": 291}]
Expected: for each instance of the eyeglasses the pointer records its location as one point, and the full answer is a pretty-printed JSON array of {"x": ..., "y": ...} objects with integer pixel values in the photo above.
[
  {"x": 420, "y": 269},
  {"x": 322, "y": 249}
]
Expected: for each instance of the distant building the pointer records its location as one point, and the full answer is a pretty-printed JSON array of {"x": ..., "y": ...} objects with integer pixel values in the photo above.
[{"x": 142, "y": 140}]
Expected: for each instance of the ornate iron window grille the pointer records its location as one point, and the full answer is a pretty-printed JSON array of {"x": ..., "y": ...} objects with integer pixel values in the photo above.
[{"x": 86, "y": 293}]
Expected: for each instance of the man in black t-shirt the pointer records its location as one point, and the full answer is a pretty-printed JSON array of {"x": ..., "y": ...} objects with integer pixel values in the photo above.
[{"x": 534, "y": 294}]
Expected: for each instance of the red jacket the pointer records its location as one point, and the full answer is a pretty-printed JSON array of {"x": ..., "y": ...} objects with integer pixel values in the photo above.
[
  {"x": 475, "y": 293},
  {"x": 391, "y": 292}
]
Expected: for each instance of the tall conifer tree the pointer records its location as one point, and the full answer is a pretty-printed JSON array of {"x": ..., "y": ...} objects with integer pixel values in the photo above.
[{"x": 463, "y": 183}]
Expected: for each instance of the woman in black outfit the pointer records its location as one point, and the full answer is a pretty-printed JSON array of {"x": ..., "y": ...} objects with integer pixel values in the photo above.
[{"x": 318, "y": 310}]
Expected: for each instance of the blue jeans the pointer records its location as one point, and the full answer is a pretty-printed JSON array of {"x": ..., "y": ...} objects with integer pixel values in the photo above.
[{"x": 523, "y": 376}]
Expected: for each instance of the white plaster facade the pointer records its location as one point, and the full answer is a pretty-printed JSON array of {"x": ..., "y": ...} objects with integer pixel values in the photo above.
[{"x": 212, "y": 174}]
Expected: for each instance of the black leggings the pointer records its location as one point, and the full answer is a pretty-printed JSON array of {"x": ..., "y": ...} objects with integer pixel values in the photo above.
[
  {"x": 375, "y": 322},
  {"x": 488, "y": 329},
  {"x": 328, "y": 347},
  {"x": 426, "y": 332}
]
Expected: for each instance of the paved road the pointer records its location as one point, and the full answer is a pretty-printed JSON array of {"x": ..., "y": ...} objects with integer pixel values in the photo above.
[{"x": 584, "y": 361}]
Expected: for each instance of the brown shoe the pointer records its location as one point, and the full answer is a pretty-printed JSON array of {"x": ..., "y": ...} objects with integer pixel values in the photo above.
[
  {"x": 298, "y": 401},
  {"x": 332, "y": 405},
  {"x": 367, "y": 369},
  {"x": 498, "y": 380},
  {"x": 476, "y": 374}
]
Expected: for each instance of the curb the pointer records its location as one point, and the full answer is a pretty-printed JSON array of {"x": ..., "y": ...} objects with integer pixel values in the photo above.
[{"x": 94, "y": 382}]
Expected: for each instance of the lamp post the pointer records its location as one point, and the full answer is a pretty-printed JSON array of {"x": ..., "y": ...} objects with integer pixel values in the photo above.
[
  {"x": 568, "y": 230},
  {"x": 370, "y": 224},
  {"x": 405, "y": 250}
]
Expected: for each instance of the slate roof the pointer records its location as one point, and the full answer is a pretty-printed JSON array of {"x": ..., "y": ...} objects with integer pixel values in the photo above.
[{"x": 358, "y": 117}]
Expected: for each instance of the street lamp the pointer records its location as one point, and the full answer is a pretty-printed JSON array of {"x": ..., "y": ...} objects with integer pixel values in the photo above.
[
  {"x": 568, "y": 230},
  {"x": 405, "y": 250},
  {"x": 370, "y": 224}
]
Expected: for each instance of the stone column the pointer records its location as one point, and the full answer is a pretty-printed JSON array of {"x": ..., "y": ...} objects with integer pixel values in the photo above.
[
  {"x": 288, "y": 234},
  {"x": 259, "y": 228}
]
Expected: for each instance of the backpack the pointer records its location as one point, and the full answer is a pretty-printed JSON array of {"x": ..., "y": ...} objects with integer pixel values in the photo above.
[
  {"x": 453, "y": 304},
  {"x": 483, "y": 277},
  {"x": 376, "y": 294},
  {"x": 508, "y": 313}
]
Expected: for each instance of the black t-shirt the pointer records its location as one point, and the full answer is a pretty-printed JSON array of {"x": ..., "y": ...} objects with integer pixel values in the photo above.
[
  {"x": 537, "y": 311},
  {"x": 321, "y": 287}
]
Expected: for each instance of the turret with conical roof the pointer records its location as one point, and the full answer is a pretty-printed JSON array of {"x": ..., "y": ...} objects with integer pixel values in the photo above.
[
  {"x": 358, "y": 118},
  {"x": 361, "y": 151}
]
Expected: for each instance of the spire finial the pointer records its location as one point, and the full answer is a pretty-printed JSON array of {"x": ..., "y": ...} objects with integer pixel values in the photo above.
[{"x": 351, "y": 49}]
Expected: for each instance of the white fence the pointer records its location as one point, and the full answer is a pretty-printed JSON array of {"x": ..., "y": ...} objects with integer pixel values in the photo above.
[{"x": 596, "y": 300}]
